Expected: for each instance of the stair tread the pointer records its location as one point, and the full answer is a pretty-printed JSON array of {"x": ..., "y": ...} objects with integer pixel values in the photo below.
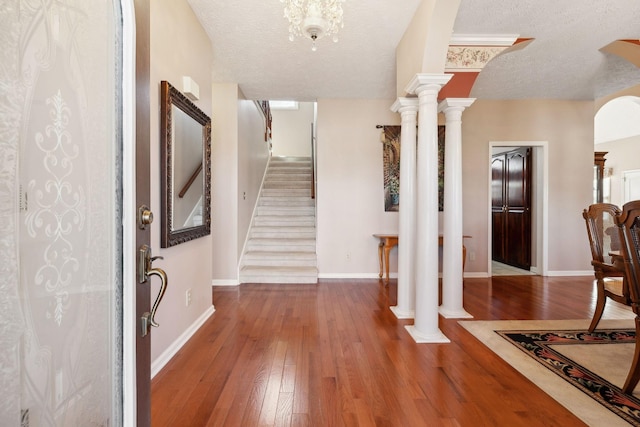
[{"x": 282, "y": 254}]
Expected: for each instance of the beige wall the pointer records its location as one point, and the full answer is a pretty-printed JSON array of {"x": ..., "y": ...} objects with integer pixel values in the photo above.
[
  {"x": 567, "y": 128},
  {"x": 239, "y": 158},
  {"x": 350, "y": 206},
  {"x": 292, "y": 131},
  {"x": 179, "y": 47},
  {"x": 224, "y": 187},
  {"x": 349, "y": 199}
]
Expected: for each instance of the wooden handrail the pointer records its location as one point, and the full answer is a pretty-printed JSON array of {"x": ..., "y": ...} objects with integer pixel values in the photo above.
[
  {"x": 190, "y": 181},
  {"x": 313, "y": 174}
]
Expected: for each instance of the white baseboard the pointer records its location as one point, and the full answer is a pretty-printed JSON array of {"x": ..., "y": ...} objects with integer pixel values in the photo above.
[
  {"x": 354, "y": 276},
  {"x": 165, "y": 357},
  {"x": 467, "y": 275},
  {"x": 570, "y": 273},
  {"x": 476, "y": 275},
  {"x": 473, "y": 275},
  {"x": 229, "y": 282}
]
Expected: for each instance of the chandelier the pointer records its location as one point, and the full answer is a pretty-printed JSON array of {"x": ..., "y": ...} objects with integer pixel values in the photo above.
[{"x": 313, "y": 19}]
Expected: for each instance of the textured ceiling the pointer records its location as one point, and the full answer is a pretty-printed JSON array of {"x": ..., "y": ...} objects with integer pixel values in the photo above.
[
  {"x": 564, "y": 60},
  {"x": 251, "y": 47}
]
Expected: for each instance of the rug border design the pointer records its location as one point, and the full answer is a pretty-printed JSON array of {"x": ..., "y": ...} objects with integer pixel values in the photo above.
[
  {"x": 566, "y": 394},
  {"x": 539, "y": 345}
]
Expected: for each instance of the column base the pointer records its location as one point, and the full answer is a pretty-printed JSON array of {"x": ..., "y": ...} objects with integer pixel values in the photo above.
[
  {"x": 420, "y": 338},
  {"x": 402, "y": 314},
  {"x": 454, "y": 314}
]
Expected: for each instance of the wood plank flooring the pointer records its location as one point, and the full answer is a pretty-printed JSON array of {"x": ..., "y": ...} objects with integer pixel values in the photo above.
[{"x": 333, "y": 354}]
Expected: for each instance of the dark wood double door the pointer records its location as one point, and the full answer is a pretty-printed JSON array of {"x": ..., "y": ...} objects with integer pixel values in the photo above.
[{"x": 511, "y": 207}]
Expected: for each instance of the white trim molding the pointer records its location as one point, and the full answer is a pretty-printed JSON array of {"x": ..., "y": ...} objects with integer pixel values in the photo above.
[{"x": 483, "y": 39}]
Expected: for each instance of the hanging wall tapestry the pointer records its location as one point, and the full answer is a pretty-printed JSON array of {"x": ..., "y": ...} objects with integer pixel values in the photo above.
[{"x": 391, "y": 167}]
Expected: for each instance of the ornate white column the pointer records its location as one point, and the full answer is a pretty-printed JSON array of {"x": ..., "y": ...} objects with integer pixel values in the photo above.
[
  {"x": 452, "y": 231},
  {"x": 425, "y": 328},
  {"x": 408, "y": 109}
]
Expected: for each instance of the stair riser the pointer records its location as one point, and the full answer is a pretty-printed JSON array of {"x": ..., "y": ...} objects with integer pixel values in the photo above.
[
  {"x": 290, "y": 169},
  {"x": 284, "y": 197},
  {"x": 281, "y": 248},
  {"x": 284, "y": 221},
  {"x": 286, "y": 163},
  {"x": 284, "y": 203},
  {"x": 274, "y": 192},
  {"x": 279, "y": 263},
  {"x": 288, "y": 177},
  {"x": 283, "y": 211},
  {"x": 282, "y": 235},
  {"x": 287, "y": 185},
  {"x": 289, "y": 228}
]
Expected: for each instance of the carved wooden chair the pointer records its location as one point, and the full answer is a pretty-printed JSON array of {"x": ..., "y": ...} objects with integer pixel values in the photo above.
[
  {"x": 604, "y": 238},
  {"x": 629, "y": 231}
]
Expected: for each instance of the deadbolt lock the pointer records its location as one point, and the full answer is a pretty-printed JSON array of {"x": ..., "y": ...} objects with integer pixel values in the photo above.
[{"x": 145, "y": 217}]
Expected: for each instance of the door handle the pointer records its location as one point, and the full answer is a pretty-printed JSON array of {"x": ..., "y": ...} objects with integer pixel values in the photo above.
[{"x": 144, "y": 273}]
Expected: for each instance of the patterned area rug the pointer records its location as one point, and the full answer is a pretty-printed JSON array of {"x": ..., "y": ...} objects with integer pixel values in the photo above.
[
  {"x": 551, "y": 349},
  {"x": 582, "y": 371}
]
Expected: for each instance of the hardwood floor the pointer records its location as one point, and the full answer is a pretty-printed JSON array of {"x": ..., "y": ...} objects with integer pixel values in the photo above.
[{"x": 333, "y": 354}]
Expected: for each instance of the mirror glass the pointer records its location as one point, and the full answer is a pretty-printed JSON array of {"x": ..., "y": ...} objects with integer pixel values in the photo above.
[{"x": 186, "y": 149}]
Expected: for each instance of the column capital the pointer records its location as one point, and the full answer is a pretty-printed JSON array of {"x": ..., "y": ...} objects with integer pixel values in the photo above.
[
  {"x": 405, "y": 104},
  {"x": 425, "y": 79},
  {"x": 460, "y": 103}
]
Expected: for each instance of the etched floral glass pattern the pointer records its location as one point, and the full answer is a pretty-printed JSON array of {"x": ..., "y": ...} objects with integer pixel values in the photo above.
[{"x": 61, "y": 213}]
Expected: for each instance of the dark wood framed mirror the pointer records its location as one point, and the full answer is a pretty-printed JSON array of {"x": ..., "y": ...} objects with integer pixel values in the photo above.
[{"x": 185, "y": 150}]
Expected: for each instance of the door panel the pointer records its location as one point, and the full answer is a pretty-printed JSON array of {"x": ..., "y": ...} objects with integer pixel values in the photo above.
[
  {"x": 518, "y": 208},
  {"x": 511, "y": 222},
  {"x": 61, "y": 150},
  {"x": 497, "y": 208},
  {"x": 515, "y": 176}
]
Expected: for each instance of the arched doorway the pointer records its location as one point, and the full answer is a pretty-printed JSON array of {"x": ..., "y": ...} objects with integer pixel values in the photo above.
[{"x": 617, "y": 135}]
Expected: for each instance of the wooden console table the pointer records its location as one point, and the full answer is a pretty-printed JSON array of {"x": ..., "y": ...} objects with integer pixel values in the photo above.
[{"x": 388, "y": 241}]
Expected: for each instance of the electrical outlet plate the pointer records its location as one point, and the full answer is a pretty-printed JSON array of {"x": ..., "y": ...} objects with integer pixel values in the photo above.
[{"x": 188, "y": 298}]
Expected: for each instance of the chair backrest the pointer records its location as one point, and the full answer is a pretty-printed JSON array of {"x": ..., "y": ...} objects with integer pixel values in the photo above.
[
  {"x": 629, "y": 231},
  {"x": 602, "y": 230}
]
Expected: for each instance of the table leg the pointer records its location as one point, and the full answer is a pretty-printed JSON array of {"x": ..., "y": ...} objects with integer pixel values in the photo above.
[
  {"x": 380, "y": 257},
  {"x": 464, "y": 256},
  {"x": 387, "y": 249}
]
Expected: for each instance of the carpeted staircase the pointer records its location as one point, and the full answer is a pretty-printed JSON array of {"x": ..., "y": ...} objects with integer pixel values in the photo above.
[{"x": 282, "y": 240}]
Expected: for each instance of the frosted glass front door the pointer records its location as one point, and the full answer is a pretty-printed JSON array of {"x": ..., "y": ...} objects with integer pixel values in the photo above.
[{"x": 61, "y": 236}]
